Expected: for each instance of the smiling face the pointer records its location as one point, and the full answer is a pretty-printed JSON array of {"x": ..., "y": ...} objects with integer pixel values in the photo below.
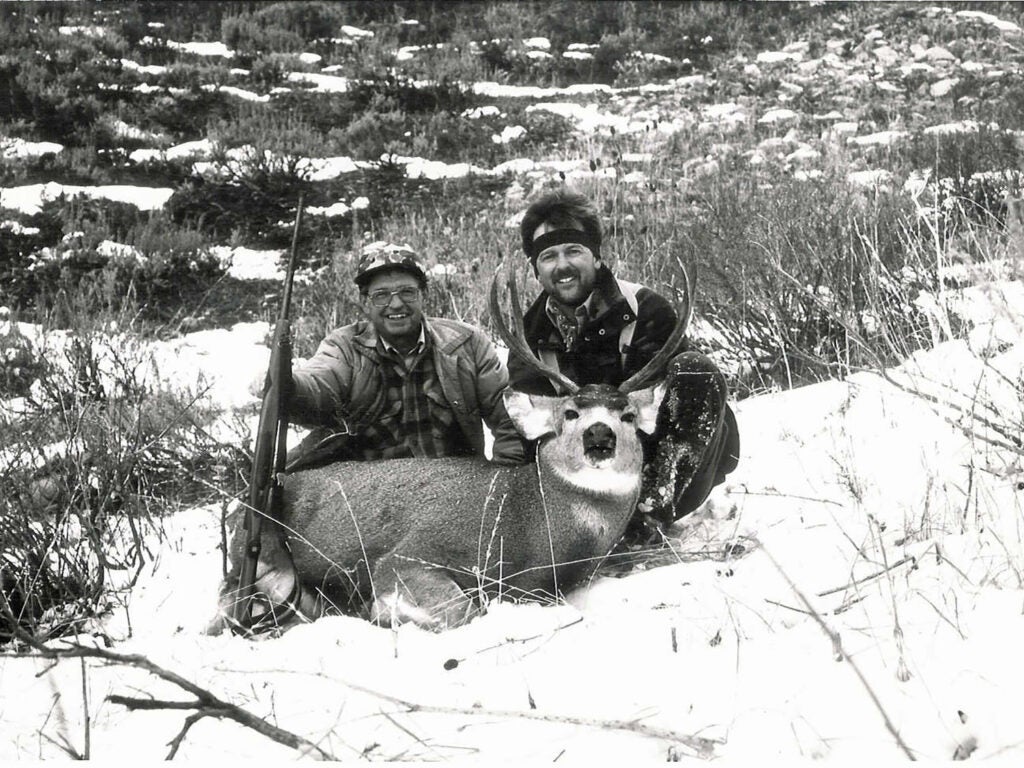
[
  {"x": 398, "y": 322},
  {"x": 567, "y": 271}
]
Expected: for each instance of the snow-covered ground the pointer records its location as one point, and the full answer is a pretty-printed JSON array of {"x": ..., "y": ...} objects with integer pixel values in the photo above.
[
  {"x": 854, "y": 592},
  {"x": 853, "y": 499}
]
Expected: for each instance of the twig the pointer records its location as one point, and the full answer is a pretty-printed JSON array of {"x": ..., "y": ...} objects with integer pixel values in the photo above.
[
  {"x": 897, "y": 564},
  {"x": 837, "y": 644},
  {"x": 206, "y": 702},
  {"x": 780, "y": 494},
  {"x": 191, "y": 720},
  {"x": 788, "y": 607},
  {"x": 85, "y": 708},
  {"x": 701, "y": 746}
]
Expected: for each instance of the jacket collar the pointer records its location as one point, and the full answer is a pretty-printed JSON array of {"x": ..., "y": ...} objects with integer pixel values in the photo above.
[{"x": 446, "y": 337}]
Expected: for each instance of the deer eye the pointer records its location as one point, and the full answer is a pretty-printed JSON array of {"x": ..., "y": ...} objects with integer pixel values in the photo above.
[
  {"x": 570, "y": 414},
  {"x": 628, "y": 418}
]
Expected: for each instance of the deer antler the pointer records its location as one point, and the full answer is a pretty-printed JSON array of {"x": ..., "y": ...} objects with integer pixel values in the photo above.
[
  {"x": 668, "y": 349},
  {"x": 516, "y": 342}
]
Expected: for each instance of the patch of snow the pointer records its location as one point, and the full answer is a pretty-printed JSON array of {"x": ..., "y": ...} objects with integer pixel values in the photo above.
[
  {"x": 124, "y": 130},
  {"x": 871, "y": 178},
  {"x": 337, "y": 209},
  {"x": 943, "y": 87},
  {"x": 477, "y": 112},
  {"x": 310, "y": 58},
  {"x": 961, "y": 126},
  {"x": 203, "y": 49},
  {"x": 29, "y": 199},
  {"x": 777, "y": 57},
  {"x": 937, "y": 53},
  {"x": 16, "y": 227},
  {"x": 326, "y": 83},
  {"x": 988, "y": 18},
  {"x": 886, "y": 55},
  {"x": 418, "y": 167},
  {"x": 773, "y": 116},
  {"x": 497, "y": 90},
  {"x": 578, "y": 55},
  {"x": 656, "y": 58},
  {"x": 112, "y": 249},
  {"x": 146, "y": 69},
  {"x": 327, "y": 168},
  {"x": 538, "y": 55},
  {"x": 803, "y": 154},
  {"x": 249, "y": 264},
  {"x": 355, "y": 32},
  {"x": 879, "y": 139},
  {"x": 537, "y": 42},
  {"x": 201, "y": 148},
  {"x": 19, "y": 148},
  {"x": 509, "y": 133},
  {"x": 241, "y": 93},
  {"x": 443, "y": 270},
  {"x": 86, "y": 31}
]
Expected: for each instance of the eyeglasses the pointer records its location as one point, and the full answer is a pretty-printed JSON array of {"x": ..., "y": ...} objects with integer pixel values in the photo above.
[{"x": 383, "y": 298}]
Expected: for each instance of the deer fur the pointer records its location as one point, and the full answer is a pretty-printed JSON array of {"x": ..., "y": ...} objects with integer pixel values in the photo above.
[{"x": 432, "y": 540}]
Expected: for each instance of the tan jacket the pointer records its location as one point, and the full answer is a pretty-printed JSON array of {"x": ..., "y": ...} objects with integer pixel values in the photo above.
[{"x": 342, "y": 385}]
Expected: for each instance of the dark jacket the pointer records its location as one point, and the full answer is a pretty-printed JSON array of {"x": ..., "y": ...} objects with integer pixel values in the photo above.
[
  {"x": 344, "y": 377},
  {"x": 596, "y": 357}
]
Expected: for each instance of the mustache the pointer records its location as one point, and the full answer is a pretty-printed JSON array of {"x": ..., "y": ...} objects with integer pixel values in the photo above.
[{"x": 564, "y": 272}]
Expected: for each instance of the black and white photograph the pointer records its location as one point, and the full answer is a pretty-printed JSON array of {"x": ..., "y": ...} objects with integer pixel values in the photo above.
[{"x": 519, "y": 381}]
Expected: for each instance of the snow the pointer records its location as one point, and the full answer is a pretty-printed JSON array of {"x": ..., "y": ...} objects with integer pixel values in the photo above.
[
  {"x": 241, "y": 93},
  {"x": 850, "y": 498},
  {"x": 29, "y": 199},
  {"x": 860, "y": 501},
  {"x": 498, "y": 90},
  {"x": 203, "y": 49},
  {"x": 327, "y": 83},
  {"x": 881, "y": 138},
  {"x": 777, "y": 57},
  {"x": 988, "y": 18},
  {"x": 509, "y": 133},
  {"x": 147, "y": 69},
  {"x": 16, "y": 148},
  {"x": 249, "y": 264},
  {"x": 778, "y": 116}
]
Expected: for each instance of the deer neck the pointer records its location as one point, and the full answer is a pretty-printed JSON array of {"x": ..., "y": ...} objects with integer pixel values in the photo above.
[{"x": 599, "y": 499}]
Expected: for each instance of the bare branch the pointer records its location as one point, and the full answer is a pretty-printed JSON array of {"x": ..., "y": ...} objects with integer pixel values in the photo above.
[
  {"x": 206, "y": 703},
  {"x": 700, "y": 746}
]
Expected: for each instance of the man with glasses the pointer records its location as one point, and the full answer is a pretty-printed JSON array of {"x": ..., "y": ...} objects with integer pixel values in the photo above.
[{"x": 399, "y": 384}]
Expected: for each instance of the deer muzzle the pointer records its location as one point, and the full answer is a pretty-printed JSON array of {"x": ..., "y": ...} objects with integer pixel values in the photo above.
[{"x": 598, "y": 442}]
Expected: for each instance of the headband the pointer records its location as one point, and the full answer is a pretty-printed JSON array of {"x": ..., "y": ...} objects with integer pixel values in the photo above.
[{"x": 560, "y": 236}]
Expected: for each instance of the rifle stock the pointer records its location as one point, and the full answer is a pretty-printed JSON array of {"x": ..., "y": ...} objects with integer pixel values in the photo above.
[{"x": 271, "y": 449}]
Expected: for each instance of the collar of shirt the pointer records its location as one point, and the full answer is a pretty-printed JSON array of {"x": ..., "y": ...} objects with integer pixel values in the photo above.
[
  {"x": 412, "y": 354},
  {"x": 569, "y": 325}
]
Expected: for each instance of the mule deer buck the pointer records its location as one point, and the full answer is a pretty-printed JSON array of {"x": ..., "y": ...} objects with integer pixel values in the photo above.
[{"x": 431, "y": 540}]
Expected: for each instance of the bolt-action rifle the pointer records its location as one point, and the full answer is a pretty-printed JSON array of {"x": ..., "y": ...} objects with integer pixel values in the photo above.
[{"x": 271, "y": 451}]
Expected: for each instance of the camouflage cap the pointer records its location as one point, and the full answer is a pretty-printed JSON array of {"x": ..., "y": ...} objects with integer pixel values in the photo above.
[{"x": 382, "y": 255}]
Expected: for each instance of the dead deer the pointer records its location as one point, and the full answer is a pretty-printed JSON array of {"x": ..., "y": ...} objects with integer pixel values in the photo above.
[{"x": 432, "y": 540}]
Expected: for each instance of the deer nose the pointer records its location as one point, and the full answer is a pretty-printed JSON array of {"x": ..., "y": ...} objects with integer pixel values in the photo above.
[{"x": 599, "y": 439}]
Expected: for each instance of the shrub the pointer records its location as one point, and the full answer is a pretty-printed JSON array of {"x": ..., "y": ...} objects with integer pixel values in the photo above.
[
  {"x": 94, "y": 461},
  {"x": 19, "y": 363}
]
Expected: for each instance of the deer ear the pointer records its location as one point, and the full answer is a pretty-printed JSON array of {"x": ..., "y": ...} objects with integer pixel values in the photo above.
[
  {"x": 647, "y": 401},
  {"x": 532, "y": 414}
]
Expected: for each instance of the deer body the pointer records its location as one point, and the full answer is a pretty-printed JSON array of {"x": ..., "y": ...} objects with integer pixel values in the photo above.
[{"x": 427, "y": 540}]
